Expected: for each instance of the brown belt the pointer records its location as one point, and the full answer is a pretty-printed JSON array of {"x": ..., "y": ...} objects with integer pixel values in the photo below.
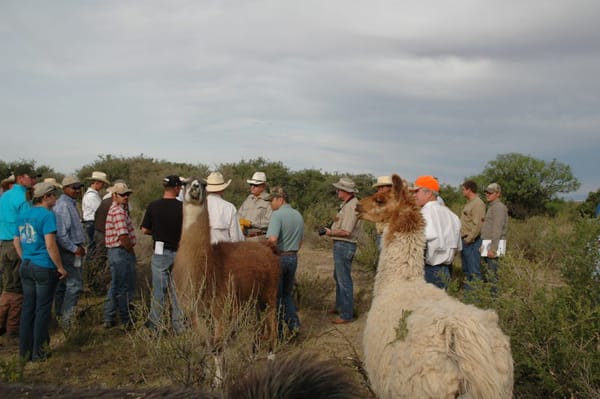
[
  {"x": 288, "y": 253},
  {"x": 257, "y": 234}
]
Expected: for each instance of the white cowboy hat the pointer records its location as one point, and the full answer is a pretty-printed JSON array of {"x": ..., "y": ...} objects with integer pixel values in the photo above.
[
  {"x": 383, "y": 181},
  {"x": 99, "y": 176},
  {"x": 346, "y": 184},
  {"x": 258, "y": 178},
  {"x": 216, "y": 183},
  {"x": 9, "y": 179}
]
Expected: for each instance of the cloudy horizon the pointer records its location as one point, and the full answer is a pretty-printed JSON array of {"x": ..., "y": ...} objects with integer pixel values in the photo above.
[{"x": 358, "y": 87}]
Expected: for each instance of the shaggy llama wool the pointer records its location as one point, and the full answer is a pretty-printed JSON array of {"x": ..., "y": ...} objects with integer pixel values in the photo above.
[
  {"x": 207, "y": 275},
  {"x": 419, "y": 342}
]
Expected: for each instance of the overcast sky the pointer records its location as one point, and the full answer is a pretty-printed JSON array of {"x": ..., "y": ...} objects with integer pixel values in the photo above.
[{"x": 412, "y": 87}]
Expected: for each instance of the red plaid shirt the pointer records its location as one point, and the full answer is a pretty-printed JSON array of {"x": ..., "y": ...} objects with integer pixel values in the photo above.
[{"x": 118, "y": 223}]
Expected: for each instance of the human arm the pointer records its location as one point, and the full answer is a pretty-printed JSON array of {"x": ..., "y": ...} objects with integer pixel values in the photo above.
[
  {"x": 126, "y": 243},
  {"x": 52, "y": 247},
  {"x": 17, "y": 245}
]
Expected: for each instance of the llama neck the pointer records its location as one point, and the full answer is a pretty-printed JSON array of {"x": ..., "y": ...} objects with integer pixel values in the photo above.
[
  {"x": 196, "y": 229},
  {"x": 401, "y": 258}
]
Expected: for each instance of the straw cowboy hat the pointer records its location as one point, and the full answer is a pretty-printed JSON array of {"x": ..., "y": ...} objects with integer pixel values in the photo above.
[
  {"x": 9, "y": 179},
  {"x": 383, "y": 181},
  {"x": 52, "y": 180},
  {"x": 216, "y": 183},
  {"x": 99, "y": 176},
  {"x": 258, "y": 178},
  {"x": 346, "y": 184}
]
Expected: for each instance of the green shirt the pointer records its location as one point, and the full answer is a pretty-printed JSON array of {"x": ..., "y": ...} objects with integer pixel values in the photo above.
[{"x": 287, "y": 225}]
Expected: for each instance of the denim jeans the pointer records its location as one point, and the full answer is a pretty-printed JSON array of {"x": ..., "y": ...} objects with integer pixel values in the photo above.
[
  {"x": 343, "y": 254},
  {"x": 39, "y": 284},
  {"x": 162, "y": 285},
  {"x": 122, "y": 266},
  {"x": 69, "y": 288},
  {"x": 437, "y": 275},
  {"x": 471, "y": 261},
  {"x": 492, "y": 273},
  {"x": 285, "y": 302}
]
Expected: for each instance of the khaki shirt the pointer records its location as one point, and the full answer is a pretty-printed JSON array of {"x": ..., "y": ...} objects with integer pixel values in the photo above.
[
  {"x": 257, "y": 210},
  {"x": 347, "y": 220},
  {"x": 471, "y": 219},
  {"x": 495, "y": 224}
]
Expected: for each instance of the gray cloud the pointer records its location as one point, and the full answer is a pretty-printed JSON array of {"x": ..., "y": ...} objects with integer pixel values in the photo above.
[{"x": 360, "y": 87}]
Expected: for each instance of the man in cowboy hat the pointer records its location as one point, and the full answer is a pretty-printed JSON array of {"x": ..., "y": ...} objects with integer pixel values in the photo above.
[
  {"x": 224, "y": 222},
  {"x": 90, "y": 202},
  {"x": 383, "y": 184},
  {"x": 255, "y": 211},
  {"x": 344, "y": 231},
  {"x": 7, "y": 184},
  {"x": 70, "y": 238}
]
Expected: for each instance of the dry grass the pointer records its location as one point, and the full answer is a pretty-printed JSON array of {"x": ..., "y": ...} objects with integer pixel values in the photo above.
[{"x": 92, "y": 356}]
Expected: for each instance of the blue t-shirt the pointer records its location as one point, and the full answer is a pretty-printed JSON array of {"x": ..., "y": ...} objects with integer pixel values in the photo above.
[
  {"x": 12, "y": 203},
  {"x": 32, "y": 227}
]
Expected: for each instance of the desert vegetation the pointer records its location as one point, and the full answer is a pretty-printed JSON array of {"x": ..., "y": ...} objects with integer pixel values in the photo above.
[{"x": 548, "y": 298}]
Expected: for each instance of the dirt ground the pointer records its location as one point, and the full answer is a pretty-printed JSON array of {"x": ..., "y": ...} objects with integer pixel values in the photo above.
[{"x": 94, "y": 365}]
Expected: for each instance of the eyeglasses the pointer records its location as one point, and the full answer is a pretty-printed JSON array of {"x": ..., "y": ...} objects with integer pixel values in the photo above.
[{"x": 124, "y": 195}]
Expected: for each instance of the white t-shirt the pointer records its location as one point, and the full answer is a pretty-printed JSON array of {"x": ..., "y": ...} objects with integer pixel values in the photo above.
[{"x": 223, "y": 219}]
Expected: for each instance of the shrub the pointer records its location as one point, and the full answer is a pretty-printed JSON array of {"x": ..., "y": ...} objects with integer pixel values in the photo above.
[{"x": 554, "y": 329}]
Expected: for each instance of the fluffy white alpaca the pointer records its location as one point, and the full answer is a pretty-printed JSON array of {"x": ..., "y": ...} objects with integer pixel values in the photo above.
[{"x": 418, "y": 341}]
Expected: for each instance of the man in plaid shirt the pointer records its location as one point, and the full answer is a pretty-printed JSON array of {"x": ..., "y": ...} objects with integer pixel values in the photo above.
[{"x": 120, "y": 243}]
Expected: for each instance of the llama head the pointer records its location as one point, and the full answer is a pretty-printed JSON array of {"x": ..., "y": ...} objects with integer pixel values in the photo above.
[
  {"x": 195, "y": 190},
  {"x": 396, "y": 207}
]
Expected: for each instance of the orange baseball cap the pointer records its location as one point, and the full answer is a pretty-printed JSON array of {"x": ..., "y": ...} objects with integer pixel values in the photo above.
[{"x": 428, "y": 182}]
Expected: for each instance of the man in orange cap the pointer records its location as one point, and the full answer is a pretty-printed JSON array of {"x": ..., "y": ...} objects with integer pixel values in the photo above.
[{"x": 442, "y": 231}]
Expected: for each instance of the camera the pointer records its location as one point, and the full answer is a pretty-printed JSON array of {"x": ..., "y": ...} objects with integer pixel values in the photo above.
[{"x": 322, "y": 229}]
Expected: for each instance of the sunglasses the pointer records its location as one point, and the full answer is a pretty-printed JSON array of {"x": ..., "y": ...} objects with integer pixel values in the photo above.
[{"x": 124, "y": 195}]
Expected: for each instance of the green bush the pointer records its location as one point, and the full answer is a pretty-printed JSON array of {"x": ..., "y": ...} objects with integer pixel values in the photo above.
[{"x": 554, "y": 328}]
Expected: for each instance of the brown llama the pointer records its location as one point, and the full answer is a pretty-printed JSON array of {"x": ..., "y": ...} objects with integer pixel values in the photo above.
[
  {"x": 419, "y": 342},
  {"x": 207, "y": 275}
]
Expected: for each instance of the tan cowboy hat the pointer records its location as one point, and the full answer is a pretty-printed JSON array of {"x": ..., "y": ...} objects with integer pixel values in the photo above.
[
  {"x": 258, "y": 178},
  {"x": 346, "y": 184},
  {"x": 99, "y": 176},
  {"x": 9, "y": 179},
  {"x": 52, "y": 180},
  {"x": 216, "y": 183},
  {"x": 383, "y": 181}
]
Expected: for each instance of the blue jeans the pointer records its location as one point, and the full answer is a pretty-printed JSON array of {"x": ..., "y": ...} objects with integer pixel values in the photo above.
[
  {"x": 471, "y": 261},
  {"x": 162, "y": 285},
  {"x": 69, "y": 288},
  {"x": 38, "y": 284},
  {"x": 437, "y": 275},
  {"x": 343, "y": 254},
  {"x": 122, "y": 266},
  {"x": 285, "y": 302}
]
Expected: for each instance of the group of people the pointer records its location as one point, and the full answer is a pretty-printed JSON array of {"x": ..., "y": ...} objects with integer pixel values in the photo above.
[
  {"x": 44, "y": 241},
  {"x": 478, "y": 233},
  {"x": 43, "y": 245}
]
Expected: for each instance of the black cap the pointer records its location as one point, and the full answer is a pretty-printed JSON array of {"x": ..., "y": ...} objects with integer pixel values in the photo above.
[{"x": 172, "y": 181}]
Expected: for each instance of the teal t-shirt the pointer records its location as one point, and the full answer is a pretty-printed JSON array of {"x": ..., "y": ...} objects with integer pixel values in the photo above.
[
  {"x": 287, "y": 225},
  {"x": 32, "y": 226}
]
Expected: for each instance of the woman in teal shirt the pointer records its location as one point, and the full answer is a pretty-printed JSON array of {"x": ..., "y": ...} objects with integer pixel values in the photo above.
[{"x": 41, "y": 268}]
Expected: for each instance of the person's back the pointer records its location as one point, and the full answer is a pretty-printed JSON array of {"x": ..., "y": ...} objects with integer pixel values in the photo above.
[{"x": 223, "y": 217}]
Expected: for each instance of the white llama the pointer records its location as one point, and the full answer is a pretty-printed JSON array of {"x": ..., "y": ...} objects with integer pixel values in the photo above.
[{"x": 418, "y": 341}]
